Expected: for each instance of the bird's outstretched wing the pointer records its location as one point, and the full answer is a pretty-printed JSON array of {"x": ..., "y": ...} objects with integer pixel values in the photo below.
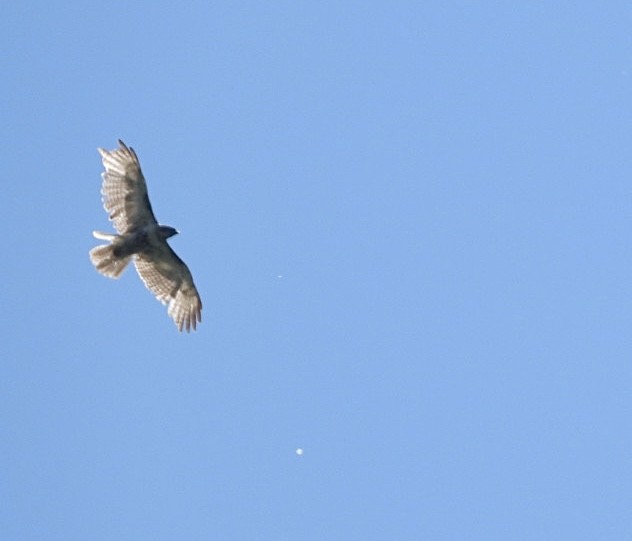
[
  {"x": 124, "y": 190},
  {"x": 170, "y": 280}
]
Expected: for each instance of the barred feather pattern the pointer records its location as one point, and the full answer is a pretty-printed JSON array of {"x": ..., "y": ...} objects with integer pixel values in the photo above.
[
  {"x": 106, "y": 262},
  {"x": 140, "y": 238}
]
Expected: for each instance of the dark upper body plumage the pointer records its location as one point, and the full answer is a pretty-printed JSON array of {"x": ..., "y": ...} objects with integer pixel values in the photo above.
[{"x": 140, "y": 236}]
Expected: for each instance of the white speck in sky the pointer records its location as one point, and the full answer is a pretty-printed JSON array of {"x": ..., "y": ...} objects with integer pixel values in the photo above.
[{"x": 299, "y": 451}]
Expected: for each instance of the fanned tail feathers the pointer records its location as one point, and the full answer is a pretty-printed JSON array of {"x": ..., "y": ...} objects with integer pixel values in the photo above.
[{"x": 104, "y": 260}]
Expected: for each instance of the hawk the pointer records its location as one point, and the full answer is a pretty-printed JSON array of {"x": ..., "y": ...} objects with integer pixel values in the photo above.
[{"x": 140, "y": 237}]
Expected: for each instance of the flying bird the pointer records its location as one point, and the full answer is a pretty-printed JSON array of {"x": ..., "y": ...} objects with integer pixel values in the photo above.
[{"x": 142, "y": 239}]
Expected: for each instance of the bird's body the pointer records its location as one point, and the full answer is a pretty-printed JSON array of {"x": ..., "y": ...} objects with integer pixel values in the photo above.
[{"x": 142, "y": 239}]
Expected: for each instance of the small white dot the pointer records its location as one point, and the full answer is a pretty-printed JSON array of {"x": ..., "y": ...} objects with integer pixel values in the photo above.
[
  {"x": 299, "y": 451},
  {"x": 279, "y": 276}
]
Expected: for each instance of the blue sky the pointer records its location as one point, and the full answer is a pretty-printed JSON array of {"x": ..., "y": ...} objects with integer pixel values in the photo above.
[{"x": 410, "y": 225}]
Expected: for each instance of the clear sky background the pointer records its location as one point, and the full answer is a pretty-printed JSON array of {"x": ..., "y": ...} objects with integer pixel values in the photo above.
[{"x": 411, "y": 227}]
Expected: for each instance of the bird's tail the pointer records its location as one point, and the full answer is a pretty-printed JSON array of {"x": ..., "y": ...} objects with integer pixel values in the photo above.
[{"x": 103, "y": 257}]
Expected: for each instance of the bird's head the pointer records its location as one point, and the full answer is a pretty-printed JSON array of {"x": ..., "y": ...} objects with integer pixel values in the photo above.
[{"x": 166, "y": 231}]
